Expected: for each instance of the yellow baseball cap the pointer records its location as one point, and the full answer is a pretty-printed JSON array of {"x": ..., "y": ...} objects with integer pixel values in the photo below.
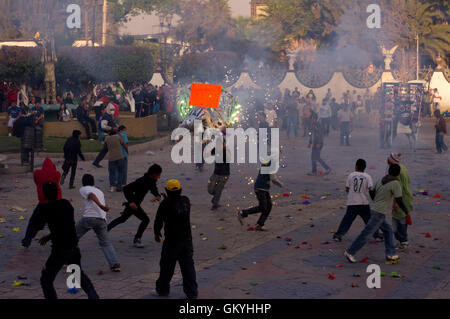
[{"x": 173, "y": 185}]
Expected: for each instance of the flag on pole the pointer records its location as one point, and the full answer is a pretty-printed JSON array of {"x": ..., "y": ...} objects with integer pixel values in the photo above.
[{"x": 205, "y": 95}]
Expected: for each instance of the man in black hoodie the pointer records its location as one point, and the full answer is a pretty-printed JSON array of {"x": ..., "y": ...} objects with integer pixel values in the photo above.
[
  {"x": 135, "y": 193},
  {"x": 72, "y": 149},
  {"x": 59, "y": 215},
  {"x": 219, "y": 178},
  {"x": 316, "y": 141},
  {"x": 174, "y": 214}
]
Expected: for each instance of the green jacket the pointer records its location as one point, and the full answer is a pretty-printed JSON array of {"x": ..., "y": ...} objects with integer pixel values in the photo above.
[{"x": 406, "y": 194}]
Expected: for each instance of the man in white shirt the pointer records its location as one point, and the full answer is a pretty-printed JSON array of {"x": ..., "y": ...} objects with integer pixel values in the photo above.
[
  {"x": 345, "y": 117},
  {"x": 94, "y": 217},
  {"x": 325, "y": 116},
  {"x": 357, "y": 187}
]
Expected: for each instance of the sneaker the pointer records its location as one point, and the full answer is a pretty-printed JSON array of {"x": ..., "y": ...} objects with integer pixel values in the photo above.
[
  {"x": 112, "y": 189},
  {"x": 97, "y": 165},
  {"x": 403, "y": 246},
  {"x": 137, "y": 243},
  {"x": 379, "y": 239},
  {"x": 349, "y": 257},
  {"x": 392, "y": 257},
  {"x": 215, "y": 207},
  {"x": 116, "y": 268},
  {"x": 259, "y": 228},
  {"x": 71, "y": 187},
  {"x": 240, "y": 218},
  {"x": 337, "y": 239}
]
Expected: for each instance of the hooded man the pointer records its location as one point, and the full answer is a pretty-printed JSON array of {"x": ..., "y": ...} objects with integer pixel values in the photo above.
[
  {"x": 72, "y": 149},
  {"x": 48, "y": 173},
  {"x": 174, "y": 214}
]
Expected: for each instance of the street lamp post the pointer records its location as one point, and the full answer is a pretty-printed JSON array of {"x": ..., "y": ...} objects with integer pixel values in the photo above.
[
  {"x": 417, "y": 57},
  {"x": 165, "y": 21}
]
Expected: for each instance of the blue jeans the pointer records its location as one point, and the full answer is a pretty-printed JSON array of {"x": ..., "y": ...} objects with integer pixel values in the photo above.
[
  {"x": 440, "y": 144},
  {"x": 376, "y": 221},
  {"x": 352, "y": 212},
  {"x": 400, "y": 229},
  {"x": 99, "y": 226},
  {"x": 293, "y": 121},
  {"x": 345, "y": 133},
  {"x": 125, "y": 171},
  {"x": 115, "y": 169}
]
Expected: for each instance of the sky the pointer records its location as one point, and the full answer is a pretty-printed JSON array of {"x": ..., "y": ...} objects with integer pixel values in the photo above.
[{"x": 146, "y": 24}]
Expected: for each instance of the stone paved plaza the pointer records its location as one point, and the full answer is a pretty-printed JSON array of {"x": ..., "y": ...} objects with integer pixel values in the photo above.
[{"x": 253, "y": 264}]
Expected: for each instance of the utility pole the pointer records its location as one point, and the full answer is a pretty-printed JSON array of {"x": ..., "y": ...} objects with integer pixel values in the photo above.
[
  {"x": 417, "y": 57},
  {"x": 104, "y": 24},
  {"x": 94, "y": 21}
]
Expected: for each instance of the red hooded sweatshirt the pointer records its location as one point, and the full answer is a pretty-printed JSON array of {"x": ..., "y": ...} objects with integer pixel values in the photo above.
[{"x": 48, "y": 173}]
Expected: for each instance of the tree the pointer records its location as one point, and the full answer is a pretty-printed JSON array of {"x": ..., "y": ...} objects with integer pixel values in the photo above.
[{"x": 21, "y": 65}]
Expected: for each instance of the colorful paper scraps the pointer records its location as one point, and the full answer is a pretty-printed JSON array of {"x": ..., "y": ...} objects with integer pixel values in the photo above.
[
  {"x": 395, "y": 275},
  {"x": 332, "y": 231},
  {"x": 16, "y": 230},
  {"x": 304, "y": 243},
  {"x": 251, "y": 228},
  {"x": 355, "y": 274},
  {"x": 253, "y": 284},
  {"x": 21, "y": 218},
  {"x": 305, "y": 197},
  {"x": 339, "y": 266},
  {"x": 372, "y": 167},
  {"x": 73, "y": 291},
  {"x": 2, "y": 220},
  {"x": 100, "y": 272},
  {"x": 325, "y": 243},
  {"x": 438, "y": 267},
  {"x": 21, "y": 277},
  {"x": 382, "y": 274},
  {"x": 306, "y": 202},
  {"x": 219, "y": 228},
  {"x": 17, "y": 283},
  {"x": 288, "y": 239},
  {"x": 223, "y": 247},
  {"x": 437, "y": 196},
  {"x": 286, "y": 194},
  {"x": 331, "y": 276},
  {"x": 393, "y": 262},
  {"x": 427, "y": 235},
  {"x": 365, "y": 259},
  {"x": 354, "y": 285}
]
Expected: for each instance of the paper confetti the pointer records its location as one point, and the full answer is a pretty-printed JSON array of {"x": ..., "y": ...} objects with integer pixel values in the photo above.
[
  {"x": 382, "y": 274},
  {"x": 438, "y": 267},
  {"x": 21, "y": 218},
  {"x": 365, "y": 259},
  {"x": 339, "y": 266},
  {"x": 331, "y": 276},
  {"x": 16, "y": 229},
  {"x": 325, "y": 243},
  {"x": 253, "y": 284},
  {"x": 219, "y": 228},
  {"x": 437, "y": 196},
  {"x": 2, "y": 220},
  {"x": 223, "y": 247},
  {"x": 428, "y": 235},
  {"x": 355, "y": 274},
  {"x": 21, "y": 277},
  {"x": 306, "y": 202},
  {"x": 17, "y": 283},
  {"x": 251, "y": 228},
  {"x": 395, "y": 275},
  {"x": 393, "y": 262},
  {"x": 73, "y": 291},
  {"x": 288, "y": 239}
]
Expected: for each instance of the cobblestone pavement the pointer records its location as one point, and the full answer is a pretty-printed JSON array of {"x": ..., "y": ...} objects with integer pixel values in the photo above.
[{"x": 253, "y": 265}]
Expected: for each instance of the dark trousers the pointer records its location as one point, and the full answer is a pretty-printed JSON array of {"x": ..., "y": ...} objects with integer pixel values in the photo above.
[
  {"x": 127, "y": 213},
  {"x": 57, "y": 259},
  {"x": 101, "y": 155},
  {"x": 385, "y": 134},
  {"x": 72, "y": 165},
  {"x": 264, "y": 207},
  {"x": 345, "y": 133},
  {"x": 315, "y": 157},
  {"x": 400, "y": 229},
  {"x": 138, "y": 109},
  {"x": 170, "y": 254},
  {"x": 440, "y": 144},
  {"x": 85, "y": 122},
  {"x": 31, "y": 231},
  {"x": 352, "y": 212},
  {"x": 216, "y": 184}
]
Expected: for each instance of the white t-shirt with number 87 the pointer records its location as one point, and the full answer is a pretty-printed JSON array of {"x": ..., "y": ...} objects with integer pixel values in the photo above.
[{"x": 359, "y": 184}]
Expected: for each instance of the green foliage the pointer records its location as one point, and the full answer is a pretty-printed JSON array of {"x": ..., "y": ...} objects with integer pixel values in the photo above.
[
  {"x": 130, "y": 65},
  {"x": 21, "y": 65}
]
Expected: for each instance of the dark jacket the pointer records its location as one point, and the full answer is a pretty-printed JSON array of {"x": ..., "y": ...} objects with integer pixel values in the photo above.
[
  {"x": 262, "y": 181},
  {"x": 174, "y": 214},
  {"x": 441, "y": 127},
  {"x": 316, "y": 134},
  {"x": 221, "y": 169},
  {"x": 59, "y": 215},
  {"x": 72, "y": 149},
  {"x": 136, "y": 191},
  {"x": 82, "y": 114}
]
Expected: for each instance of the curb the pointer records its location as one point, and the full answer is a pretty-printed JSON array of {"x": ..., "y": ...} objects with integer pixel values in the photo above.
[{"x": 133, "y": 149}]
